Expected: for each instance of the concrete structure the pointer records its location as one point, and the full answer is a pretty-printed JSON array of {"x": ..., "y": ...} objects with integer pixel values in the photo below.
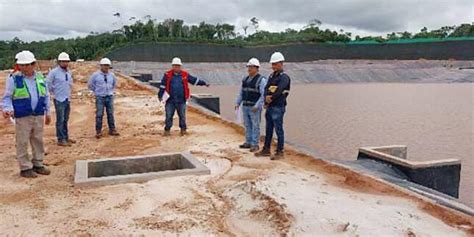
[
  {"x": 441, "y": 175},
  {"x": 142, "y": 75},
  {"x": 136, "y": 168},
  {"x": 207, "y": 101},
  {"x": 155, "y": 83}
]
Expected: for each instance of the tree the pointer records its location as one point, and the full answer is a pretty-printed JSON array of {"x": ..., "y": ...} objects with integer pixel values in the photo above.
[
  {"x": 254, "y": 21},
  {"x": 463, "y": 30},
  {"x": 245, "y": 27}
]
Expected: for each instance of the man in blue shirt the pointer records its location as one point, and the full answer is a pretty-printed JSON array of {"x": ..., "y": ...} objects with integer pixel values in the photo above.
[
  {"x": 251, "y": 96},
  {"x": 26, "y": 99},
  {"x": 103, "y": 83},
  {"x": 174, "y": 90},
  {"x": 60, "y": 86}
]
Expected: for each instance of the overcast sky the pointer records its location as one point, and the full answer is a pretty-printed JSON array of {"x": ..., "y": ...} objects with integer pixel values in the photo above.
[{"x": 48, "y": 19}]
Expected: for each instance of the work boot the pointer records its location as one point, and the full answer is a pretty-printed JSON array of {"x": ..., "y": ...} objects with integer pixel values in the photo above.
[
  {"x": 41, "y": 170},
  {"x": 71, "y": 141},
  {"x": 63, "y": 143},
  {"x": 183, "y": 132},
  {"x": 28, "y": 174},
  {"x": 278, "y": 155},
  {"x": 167, "y": 133},
  {"x": 114, "y": 133},
  {"x": 264, "y": 152},
  {"x": 245, "y": 146},
  {"x": 98, "y": 135},
  {"x": 254, "y": 148}
]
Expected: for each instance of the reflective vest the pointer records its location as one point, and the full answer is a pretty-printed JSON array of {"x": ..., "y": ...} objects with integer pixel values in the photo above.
[
  {"x": 184, "y": 76},
  {"x": 22, "y": 97},
  {"x": 251, "y": 90}
]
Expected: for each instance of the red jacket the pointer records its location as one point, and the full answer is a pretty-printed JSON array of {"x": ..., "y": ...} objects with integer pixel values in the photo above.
[{"x": 184, "y": 76}]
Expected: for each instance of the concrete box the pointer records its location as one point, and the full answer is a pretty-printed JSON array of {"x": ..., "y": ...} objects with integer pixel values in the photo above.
[
  {"x": 136, "y": 168},
  {"x": 441, "y": 175},
  {"x": 207, "y": 101}
]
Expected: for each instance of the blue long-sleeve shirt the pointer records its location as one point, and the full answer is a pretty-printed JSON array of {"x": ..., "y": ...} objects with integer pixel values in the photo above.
[
  {"x": 7, "y": 101},
  {"x": 261, "y": 88},
  {"x": 177, "y": 87},
  {"x": 60, "y": 83},
  {"x": 102, "y": 84}
]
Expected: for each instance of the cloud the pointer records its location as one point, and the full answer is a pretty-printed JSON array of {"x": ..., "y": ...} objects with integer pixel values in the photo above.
[{"x": 40, "y": 20}]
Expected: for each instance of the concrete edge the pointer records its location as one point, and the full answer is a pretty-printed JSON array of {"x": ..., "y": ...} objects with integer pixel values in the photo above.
[{"x": 407, "y": 163}]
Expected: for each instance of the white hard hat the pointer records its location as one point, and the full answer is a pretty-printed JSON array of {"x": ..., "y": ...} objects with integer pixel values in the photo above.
[
  {"x": 253, "y": 62},
  {"x": 105, "y": 61},
  {"x": 25, "y": 57},
  {"x": 176, "y": 61},
  {"x": 16, "y": 55},
  {"x": 63, "y": 57},
  {"x": 277, "y": 57}
]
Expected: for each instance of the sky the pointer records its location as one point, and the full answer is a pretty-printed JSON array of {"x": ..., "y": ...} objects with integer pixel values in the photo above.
[{"x": 33, "y": 20}]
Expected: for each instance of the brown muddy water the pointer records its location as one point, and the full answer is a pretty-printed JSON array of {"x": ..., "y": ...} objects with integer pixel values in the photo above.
[{"x": 436, "y": 121}]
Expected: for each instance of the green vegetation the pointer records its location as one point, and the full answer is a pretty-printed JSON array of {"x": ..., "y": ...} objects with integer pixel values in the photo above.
[{"x": 96, "y": 44}]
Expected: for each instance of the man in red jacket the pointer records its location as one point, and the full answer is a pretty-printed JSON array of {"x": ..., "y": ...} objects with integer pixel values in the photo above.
[{"x": 174, "y": 91}]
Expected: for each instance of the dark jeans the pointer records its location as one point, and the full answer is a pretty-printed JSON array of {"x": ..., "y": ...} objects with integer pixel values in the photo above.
[
  {"x": 62, "y": 117},
  {"x": 108, "y": 103},
  {"x": 274, "y": 120},
  {"x": 170, "y": 108}
]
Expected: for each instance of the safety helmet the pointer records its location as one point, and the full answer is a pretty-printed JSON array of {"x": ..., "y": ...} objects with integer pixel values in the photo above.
[
  {"x": 63, "y": 57},
  {"x": 105, "y": 61},
  {"x": 25, "y": 57},
  {"x": 277, "y": 57},
  {"x": 253, "y": 62},
  {"x": 176, "y": 61}
]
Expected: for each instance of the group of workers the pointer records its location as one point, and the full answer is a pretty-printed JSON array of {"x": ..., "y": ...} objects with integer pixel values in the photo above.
[{"x": 26, "y": 102}]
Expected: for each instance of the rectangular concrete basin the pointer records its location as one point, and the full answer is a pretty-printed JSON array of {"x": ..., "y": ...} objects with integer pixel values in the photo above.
[{"x": 136, "y": 168}]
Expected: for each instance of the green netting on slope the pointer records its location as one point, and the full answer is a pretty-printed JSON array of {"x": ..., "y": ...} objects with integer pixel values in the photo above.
[{"x": 415, "y": 40}]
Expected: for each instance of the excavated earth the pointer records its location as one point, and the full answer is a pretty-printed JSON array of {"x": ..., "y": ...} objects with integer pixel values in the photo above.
[{"x": 243, "y": 196}]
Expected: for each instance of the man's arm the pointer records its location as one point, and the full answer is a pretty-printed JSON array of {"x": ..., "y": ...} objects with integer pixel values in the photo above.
[
  {"x": 114, "y": 82},
  {"x": 71, "y": 81},
  {"x": 50, "y": 81},
  {"x": 7, "y": 100},
  {"x": 261, "y": 100},
  {"x": 91, "y": 83},
  {"x": 162, "y": 88},
  {"x": 48, "y": 103},
  {"x": 238, "y": 100},
  {"x": 285, "y": 80},
  {"x": 196, "y": 81}
]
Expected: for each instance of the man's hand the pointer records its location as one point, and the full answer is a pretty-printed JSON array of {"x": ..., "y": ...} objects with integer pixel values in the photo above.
[
  {"x": 268, "y": 99},
  {"x": 47, "y": 119},
  {"x": 7, "y": 114},
  {"x": 254, "y": 109},
  {"x": 236, "y": 107}
]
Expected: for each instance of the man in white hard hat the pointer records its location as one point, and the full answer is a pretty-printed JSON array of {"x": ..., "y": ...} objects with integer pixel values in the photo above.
[
  {"x": 26, "y": 99},
  {"x": 60, "y": 86},
  {"x": 103, "y": 83},
  {"x": 276, "y": 92},
  {"x": 251, "y": 97},
  {"x": 175, "y": 84}
]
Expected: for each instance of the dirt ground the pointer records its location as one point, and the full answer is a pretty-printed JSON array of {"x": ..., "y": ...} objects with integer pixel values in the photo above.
[{"x": 243, "y": 196}]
